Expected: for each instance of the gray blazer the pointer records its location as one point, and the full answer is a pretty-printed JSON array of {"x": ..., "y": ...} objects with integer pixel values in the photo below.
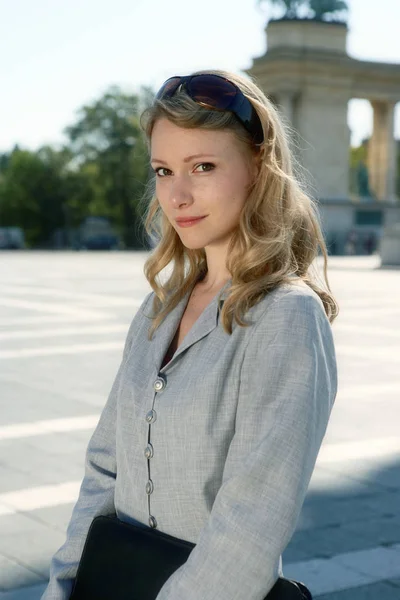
[{"x": 235, "y": 422}]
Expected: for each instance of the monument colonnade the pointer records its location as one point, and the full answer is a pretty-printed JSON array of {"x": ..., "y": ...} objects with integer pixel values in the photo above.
[{"x": 307, "y": 72}]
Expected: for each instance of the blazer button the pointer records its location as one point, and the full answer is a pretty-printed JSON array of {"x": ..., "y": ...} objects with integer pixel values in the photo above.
[
  {"x": 159, "y": 384},
  {"x": 152, "y": 522},
  {"x": 149, "y": 487},
  {"x": 151, "y": 416},
  {"x": 148, "y": 451}
]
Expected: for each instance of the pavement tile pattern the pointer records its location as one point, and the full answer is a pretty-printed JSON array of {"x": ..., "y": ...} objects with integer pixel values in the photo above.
[{"x": 63, "y": 321}]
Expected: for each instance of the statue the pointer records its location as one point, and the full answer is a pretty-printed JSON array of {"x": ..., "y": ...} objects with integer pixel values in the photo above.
[
  {"x": 290, "y": 6},
  {"x": 318, "y": 9},
  {"x": 326, "y": 7}
]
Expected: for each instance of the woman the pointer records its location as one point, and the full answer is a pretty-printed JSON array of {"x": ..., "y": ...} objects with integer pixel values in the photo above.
[{"x": 215, "y": 419}]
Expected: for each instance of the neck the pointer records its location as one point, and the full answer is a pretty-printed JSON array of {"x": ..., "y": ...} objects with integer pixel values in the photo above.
[{"x": 217, "y": 274}]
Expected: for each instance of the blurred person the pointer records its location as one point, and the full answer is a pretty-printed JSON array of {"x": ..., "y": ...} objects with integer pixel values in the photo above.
[
  {"x": 370, "y": 243},
  {"x": 351, "y": 243},
  {"x": 214, "y": 422}
]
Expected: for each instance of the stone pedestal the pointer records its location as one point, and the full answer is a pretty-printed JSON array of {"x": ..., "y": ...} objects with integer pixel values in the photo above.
[
  {"x": 390, "y": 246},
  {"x": 312, "y": 35}
]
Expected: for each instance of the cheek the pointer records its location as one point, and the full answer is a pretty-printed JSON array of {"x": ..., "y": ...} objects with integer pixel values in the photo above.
[
  {"x": 159, "y": 191},
  {"x": 162, "y": 195},
  {"x": 233, "y": 190}
]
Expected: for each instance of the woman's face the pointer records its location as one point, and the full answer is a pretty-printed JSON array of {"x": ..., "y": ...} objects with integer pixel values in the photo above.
[{"x": 200, "y": 173}]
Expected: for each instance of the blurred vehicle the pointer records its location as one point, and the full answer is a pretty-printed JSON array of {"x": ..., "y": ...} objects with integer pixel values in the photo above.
[
  {"x": 11, "y": 238},
  {"x": 96, "y": 233}
]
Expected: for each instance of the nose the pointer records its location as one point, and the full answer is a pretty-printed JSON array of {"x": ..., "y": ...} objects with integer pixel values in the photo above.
[{"x": 180, "y": 192}]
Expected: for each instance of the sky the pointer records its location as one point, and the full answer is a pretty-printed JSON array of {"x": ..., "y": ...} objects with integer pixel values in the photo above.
[{"x": 57, "y": 55}]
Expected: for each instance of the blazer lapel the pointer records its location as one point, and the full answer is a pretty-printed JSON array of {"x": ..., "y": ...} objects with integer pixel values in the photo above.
[
  {"x": 207, "y": 322},
  {"x": 165, "y": 333}
]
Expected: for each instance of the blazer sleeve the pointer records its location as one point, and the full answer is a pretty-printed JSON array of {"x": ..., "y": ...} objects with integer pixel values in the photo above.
[
  {"x": 287, "y": 390},
  {"x": 96, "y": 496}
]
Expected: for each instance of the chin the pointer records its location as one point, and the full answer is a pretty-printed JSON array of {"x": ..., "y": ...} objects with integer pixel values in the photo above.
[
  {"x": 192, "y": 244},
  {"x": 199, "y": 242},
  {"x": 194, "y": 240}
]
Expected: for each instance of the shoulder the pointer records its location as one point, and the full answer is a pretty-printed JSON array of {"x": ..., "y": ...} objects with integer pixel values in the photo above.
[
  {"x": 291, "y": 333},
  {"x": 142, "y": 310},
  {"x": 290, "y": 310},
  {"x": 147, "y": 302},
  {"x": 139, "y": 317}
]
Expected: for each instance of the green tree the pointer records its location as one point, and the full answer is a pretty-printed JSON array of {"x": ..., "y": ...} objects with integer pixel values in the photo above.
[
  {"x": 108, "y": 145},
  {"x": 4, "y": 160},
  {"x": 102, "y": 171},
  {"x": 359, "y": 175},
  {"x": 31, "y": 195}
]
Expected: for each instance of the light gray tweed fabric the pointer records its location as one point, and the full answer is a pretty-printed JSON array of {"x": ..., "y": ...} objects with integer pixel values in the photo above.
[{"x": 238, "y": 428}]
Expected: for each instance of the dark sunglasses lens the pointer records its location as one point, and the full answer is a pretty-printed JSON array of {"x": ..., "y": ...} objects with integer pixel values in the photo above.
[
  {"x": 212, "y": 91},
  {"x": 168, "y": 88}
]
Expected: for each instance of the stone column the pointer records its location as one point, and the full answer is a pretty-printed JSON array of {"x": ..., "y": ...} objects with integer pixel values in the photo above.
[
  {"x": 321, "y": 115},
  {"x": 285, "y": 101},
  {"x": 382, "y": 152}
]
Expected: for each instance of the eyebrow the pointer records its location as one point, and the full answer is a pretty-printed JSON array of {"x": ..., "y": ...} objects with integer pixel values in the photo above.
[{"x": 185, "y": 160}]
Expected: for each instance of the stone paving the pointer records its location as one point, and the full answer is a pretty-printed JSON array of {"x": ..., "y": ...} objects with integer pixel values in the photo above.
[{"x": 63, "y": 321}]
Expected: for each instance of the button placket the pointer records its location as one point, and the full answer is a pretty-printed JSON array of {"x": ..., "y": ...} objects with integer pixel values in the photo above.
[
  {"x": 151, "y": 417},
  {"x": 152, "y": 522},
  {"x": 159, "y": 384},
  {"x": 149, "y": 451}
]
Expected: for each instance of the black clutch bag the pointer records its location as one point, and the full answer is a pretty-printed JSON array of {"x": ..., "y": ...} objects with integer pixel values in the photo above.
[{"x": 121, "y": 561}]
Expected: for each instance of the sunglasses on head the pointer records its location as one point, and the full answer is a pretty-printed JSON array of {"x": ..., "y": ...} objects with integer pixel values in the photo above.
[{"x": 216, "y": 93}]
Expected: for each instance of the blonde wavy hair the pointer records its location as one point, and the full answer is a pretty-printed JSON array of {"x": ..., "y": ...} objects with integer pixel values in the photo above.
[{"x": 278, "y": 234}]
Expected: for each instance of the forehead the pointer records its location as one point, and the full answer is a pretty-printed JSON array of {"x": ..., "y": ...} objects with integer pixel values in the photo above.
[{"x": 168, "y": 139}]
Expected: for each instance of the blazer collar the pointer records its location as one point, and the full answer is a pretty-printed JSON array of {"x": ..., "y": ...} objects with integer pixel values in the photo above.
[{"x": 207, "y": 322}]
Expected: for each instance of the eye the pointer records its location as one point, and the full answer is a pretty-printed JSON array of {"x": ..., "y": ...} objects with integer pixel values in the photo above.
[
  {"x": 205, "y": 167},
  {"x": 162, "y": 172}
]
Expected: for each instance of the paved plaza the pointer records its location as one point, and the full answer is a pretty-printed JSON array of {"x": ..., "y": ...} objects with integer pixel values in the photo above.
[{"x": 63, "y": 322}]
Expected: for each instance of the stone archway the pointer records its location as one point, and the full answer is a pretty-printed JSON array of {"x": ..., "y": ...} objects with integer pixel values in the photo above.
[
  {"x": 308, "y": 72},
  {"x": 310, "y": 75}
]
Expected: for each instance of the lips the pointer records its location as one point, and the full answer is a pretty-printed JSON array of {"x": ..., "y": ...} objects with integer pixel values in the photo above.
[{"x": 188, "y": 219}]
